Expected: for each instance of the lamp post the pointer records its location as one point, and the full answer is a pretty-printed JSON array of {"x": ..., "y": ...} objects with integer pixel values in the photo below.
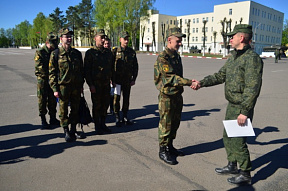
[
  {"x": 204, "y": 22},
  {"x": 254, "y": 41}
]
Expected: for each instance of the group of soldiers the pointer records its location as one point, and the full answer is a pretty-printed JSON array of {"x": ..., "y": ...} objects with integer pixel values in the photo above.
[{"x": 61, "y": 74}]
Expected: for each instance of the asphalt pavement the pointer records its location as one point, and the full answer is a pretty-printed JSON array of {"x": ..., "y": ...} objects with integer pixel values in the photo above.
[{"x": 127, "y": 159}]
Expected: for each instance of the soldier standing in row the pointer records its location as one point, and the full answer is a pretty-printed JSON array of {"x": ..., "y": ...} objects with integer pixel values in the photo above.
[
  {"x": 126, "y": 71},
  {"x": 44, "y": 92},
  {"x": 276, "y": 53},
  {"x": 66, "y": 76},
  {"x": 169, "y": 80},
  {"x": 99, "y": 71},
  {"x": 242, "y": 75}
]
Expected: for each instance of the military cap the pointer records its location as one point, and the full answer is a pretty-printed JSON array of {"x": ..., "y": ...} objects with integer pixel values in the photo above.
[
  {"x": 100, "y": 32},
  {"x": 65, "y": 31},
  {"x": 51, "y": 37},
  {"x": 243, "y": 28},
  {"x": 175, "y": 31},
  {"x": 124, "y": 34}
]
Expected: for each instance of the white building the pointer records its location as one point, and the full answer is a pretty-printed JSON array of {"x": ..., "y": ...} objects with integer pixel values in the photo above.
[{"x": 267, "y": 26}]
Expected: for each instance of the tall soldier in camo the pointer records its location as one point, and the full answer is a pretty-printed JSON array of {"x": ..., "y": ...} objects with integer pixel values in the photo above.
[
  {"x": 66, "y": 77},
  {"x": 169, "y": 80},
  {"x": 45, "y": 95},
  {"x": 242, "y": 75},
  {"x": 126, "y": 72},
  {"x": 99, "y": 72}
]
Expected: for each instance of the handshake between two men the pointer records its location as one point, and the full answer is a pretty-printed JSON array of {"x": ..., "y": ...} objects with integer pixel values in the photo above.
[{"x": 195, "y": 85}]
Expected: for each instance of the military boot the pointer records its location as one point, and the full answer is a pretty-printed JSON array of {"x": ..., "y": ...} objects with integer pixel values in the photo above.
[
  {"x": 98, "y": 129},
  {"x": 44, "y": 123},
  {"x": 125, "y": 119},
  {"x": 118, "y": 122},
  {"x": 174, "y": 151},
  {"x": 68, "y": 138},
  {"x": 231, "y": 168},
  {"x": 166, "y": 156},
  {"x": 104, "y": 126},
  {"x": 54, "y": 121},
  {"x": 73, "y": 131},
  {"x": 243, "y": 177}
]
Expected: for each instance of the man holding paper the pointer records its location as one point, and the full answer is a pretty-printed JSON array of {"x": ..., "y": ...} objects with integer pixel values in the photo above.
[{"x": 242, "y": 75}]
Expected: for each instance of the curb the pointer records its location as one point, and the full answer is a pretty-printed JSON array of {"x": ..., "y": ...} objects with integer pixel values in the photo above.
[{"x": 194, "y": 56}]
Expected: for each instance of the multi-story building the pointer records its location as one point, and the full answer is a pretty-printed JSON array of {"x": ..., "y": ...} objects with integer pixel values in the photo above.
[{"x": 267, "y": 24}]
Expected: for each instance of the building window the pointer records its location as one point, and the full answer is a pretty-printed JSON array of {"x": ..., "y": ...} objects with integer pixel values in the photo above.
[
  {"x": 170, "y": 22},
  {"x": 230, "y": 11},
  {"x": 206, "y": 29},
  {"x": 196, "y": 30},
  {"x": 193, "y": 30},
  {"x": 207, "y": 19},
  {"x": 194, "y": 20},
  {"x": 148, "y": 29},
  {"x": 193, "y": 39},
  {"x": 185, "y": 21},
  {"x": 196, "y": 39},
  {"x": 211, "y": 29},
  {"x": 148, "y": 21},
  {"x": 197, "y": 20},
  {"x": 185, "y": 31},
  {"x": 174, "y": 22},
  {"x": 212, "y": 19}
]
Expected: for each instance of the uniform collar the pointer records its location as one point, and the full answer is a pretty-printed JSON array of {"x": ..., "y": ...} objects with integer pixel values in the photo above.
[
  {"x": 171, "y": 53},
  {"x": 237, "y": 53}
]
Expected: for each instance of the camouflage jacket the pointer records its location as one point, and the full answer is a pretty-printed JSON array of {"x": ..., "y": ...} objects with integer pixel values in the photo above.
[
  {"x": 98, "y": 66},
  {"x": 41, "y": 58},
  {"x": 67, "y": 69},
  {"x": 242, "y": 74},
  {"x": 126, "y": 65},
  {"x": 168, "y": 73}
]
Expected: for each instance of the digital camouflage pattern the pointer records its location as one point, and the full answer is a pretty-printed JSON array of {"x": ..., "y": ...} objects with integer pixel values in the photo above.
[
  {"x": 66, "y": 75},
  {"x": 168, "y": 79},
  {"x": 242, "y": 75},
  {"x": 44, "y": 91},
  {"x": 99, "y": 72},
  {"x": 175, "y": 31},
  {"x": 126, "y": 71}
]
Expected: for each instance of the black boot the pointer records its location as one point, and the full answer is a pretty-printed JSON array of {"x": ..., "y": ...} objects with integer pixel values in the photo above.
[
  {"x": 166, "y": 156},
  {"x": 73, "y": 131},
  {"x": 54, "y": 121},
  {"x": 231, "y": 168},
  {"x": 98, "y": 129},
  {"x": 243, "y": 177},
  {"x": 44, "y": 123},
  {"x": 103, "y": 125},
  {"x": 174, "y": 151},
  {"x": 68, "y": 138},
  {"x": 125, "y": 119},
  {"x": 80, "y": 134},
  {"x": 118, "y": 122}
]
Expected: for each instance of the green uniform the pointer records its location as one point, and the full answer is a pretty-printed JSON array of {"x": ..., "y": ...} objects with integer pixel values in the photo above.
[
  {"x": 99, "y": 69},
  {"x": 168, "y": 79},
  {"x": 66, "y": 75},
  {"x": 242, "y": 75},
  {"x": 126, "y": 71},
  {"x": 44, "y": 92}
]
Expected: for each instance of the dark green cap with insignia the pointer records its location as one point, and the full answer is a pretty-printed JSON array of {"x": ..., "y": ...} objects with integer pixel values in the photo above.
[
  {"x": 124, "y": 34},
  {"x": 243, "y": 28},
  {"x": 100, "y": 32},
  {"x": 175, "y": 31},
  {"x": 51, "y": 37},
  {"x": 65, "y": 31}
]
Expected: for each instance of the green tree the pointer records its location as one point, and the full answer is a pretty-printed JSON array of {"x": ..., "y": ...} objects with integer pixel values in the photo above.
[
  {"x": 57, "y": 19},
  {"x": 73, "y": 20},
  {"x": 4, "y": 42},
  {"x": 21, "y": 33},
  {"x": 285, "y": 34},
  {"x": 86, "y": 14}
]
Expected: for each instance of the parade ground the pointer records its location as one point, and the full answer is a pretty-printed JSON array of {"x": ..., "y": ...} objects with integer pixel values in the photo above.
[{"x": 32, "y": 159}]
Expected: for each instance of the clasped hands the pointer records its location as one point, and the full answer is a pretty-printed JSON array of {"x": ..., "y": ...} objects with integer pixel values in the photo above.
[{"x": 195, "y": 85}]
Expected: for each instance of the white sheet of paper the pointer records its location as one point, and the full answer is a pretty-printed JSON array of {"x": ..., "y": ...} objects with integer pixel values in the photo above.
[
  {"x": 117, "y": 89},
  {"x": 234, "y": 130}
]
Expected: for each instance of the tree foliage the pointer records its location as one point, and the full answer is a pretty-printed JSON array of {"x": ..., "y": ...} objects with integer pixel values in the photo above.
[
  {"x": 58, "y": 20},
  {"x": 285, "y": 34}
]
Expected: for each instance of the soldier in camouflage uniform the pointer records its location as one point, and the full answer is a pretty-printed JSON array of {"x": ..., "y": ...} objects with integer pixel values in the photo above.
[
  {"x": 242, "y": 75},
  {"x": 66, "y": 77},
  {"x": 44, "y": 91},
  {"x": 126, "y": 71},
  {"x": 169, "y": 80},
  {"x": 98, "y": 66}
]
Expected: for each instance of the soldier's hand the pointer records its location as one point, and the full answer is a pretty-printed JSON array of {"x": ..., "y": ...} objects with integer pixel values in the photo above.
[
  {"x": 195, "y": 85},
  {"x": 132, "y": 83},
  {"x": 57, "y": 94},
  {"x": 92, "y": 89},
  {"x": 241, "y": 119}
]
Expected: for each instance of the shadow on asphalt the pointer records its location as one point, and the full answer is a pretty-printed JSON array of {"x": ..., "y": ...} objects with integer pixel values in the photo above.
[{"x": 31, "y": 144}]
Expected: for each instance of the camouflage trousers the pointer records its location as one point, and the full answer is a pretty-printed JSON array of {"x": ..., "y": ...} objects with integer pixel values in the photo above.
[
  {"x": 100, "y": 100},
  {"x": 236, "y": 147},
  {"x": 69, "y": 95},
  {"x": 125, "y": 90},
  {"x": 170, "y": 108},
  {"x": 46, "y": 97}
]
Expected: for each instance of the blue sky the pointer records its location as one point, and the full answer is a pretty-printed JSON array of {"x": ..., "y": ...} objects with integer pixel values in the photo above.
[{"x": 13, "y": 12}]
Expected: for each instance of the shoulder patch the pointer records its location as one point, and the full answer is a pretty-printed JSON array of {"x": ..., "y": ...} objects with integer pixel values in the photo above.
[
  {"x": 36, "y": 58},
  {"x": 165, "y": 68}
]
